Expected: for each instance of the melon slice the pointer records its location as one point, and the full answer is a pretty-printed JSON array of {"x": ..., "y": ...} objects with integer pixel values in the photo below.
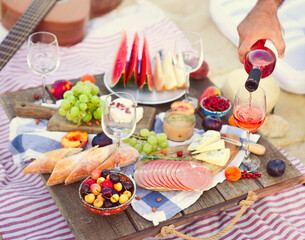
[
  {"x": 158, "y": 74},
  {"x": 169, "y": 73},
  {"x": 179, "y": 73},
  {"x": 132, "y": 70},
  {"x": 146, "y": 72},
  {"x": 119, "y": 66}
]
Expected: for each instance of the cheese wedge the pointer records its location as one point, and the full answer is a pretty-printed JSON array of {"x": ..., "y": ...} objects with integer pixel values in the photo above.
[
  {"x": 218, "y": 157},
  {"x": 205, "y": 139},
  {"x": 220, "y": 144},
  {"x": 169, "y": 73}
]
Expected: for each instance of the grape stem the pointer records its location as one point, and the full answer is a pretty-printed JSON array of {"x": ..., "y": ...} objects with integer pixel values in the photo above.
[{"x": 137, "y": 136}]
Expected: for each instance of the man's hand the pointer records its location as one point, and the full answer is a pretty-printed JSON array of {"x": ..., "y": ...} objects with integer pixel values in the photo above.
[{"x": 261, "y": 23}]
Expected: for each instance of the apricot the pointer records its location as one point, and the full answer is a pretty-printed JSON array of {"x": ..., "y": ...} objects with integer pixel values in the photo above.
[
  {"x": 87, "y": 77},
  {"x": 185, "y": 106},
  {"x": 75, "y": 139},
  {"x": 232, "y": 173}
]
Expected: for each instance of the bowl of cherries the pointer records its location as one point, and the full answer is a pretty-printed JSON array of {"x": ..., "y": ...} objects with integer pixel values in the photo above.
[
  {"x": 215, "y": 105},
  {"x": 107, "y": 192}
]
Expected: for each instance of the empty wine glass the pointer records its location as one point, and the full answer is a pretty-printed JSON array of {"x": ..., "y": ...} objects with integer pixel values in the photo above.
[
  {"x": 43, "y": 56},
  {"x": 188, "y": 57},
  {"x": 119, "y": 119},
  {"x": 249, "y": 112}
]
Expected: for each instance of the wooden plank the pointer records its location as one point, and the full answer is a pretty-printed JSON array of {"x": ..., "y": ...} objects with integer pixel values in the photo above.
[{"x": 83, "y": 223}]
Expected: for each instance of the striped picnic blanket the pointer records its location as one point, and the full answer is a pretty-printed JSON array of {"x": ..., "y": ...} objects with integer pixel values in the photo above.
[{"x": 27, "y": 211}]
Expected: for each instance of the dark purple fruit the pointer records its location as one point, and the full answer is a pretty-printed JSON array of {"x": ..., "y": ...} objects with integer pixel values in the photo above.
[
  {"x": 114, "y": 177},
  {"x": 85, "y": 188},
  {"x": 105, "y": 173},
  {"x": 107, "y": 192},
  {"x": 122, "y": 180},
  {"x": 101, "y": 139},
  {"x": 212, "y": 122},
  {"x": 276, "y": 167},
  {"x": 108, "y": 204},
  {"x": 128, "y": 186}
]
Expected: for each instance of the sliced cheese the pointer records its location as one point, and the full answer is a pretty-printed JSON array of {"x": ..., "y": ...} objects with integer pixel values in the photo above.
[
  {"x": 205, "y": 139},
  {"x": 220, "y": 144},
  {"x": 218, "y": 157}
]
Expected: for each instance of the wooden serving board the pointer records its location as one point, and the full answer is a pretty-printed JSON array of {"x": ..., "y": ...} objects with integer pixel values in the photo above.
[
  {"x": 172, "y": 152},
  {"x": 60, "y": 123},
  {"x": 21, "y": 103}
]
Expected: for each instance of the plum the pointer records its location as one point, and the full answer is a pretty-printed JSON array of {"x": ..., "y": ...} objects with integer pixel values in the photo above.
[
  {"x": 107, "y": 192},
  {"x": 105, "y": 173},
  {"x": 85, "y": 188},
  {"x": 212, "y": 122},
  {"x": 128, "y": 186},
  {"x": 108, "y": 204},
  {"x": 276, "y": 167},
  {"x": 114, "y": 177},
  {"x": 101, "y": 139}
]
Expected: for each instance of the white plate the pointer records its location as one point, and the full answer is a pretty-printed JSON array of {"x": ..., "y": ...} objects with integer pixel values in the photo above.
[{"x": 144, "y": 96}]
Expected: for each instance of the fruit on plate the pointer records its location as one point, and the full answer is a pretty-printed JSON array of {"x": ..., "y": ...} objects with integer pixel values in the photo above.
[
  {"x": 159, "y": 81},
  {"x": 202, "y": 72},
  {"x": 146, "y": 71},
  {"x": 101, "y": 139},
  {"x": 232, "y": 173},
  {"x": 59, "y": 87},
  {"x": 210, "y": 91},
  {"x": 276, "y": 167},
  {"x": 88, "y": 77},
  {"x": 132, "y": 69},
  {"x": 169, "y": 73},
  {"x": 119, "y": 66},
  {"x": 185, "y": 106},
  {"x": 212, "y": 122},
  {"x": 179, "y": 73},
  {"x": 75, "y": 139}
]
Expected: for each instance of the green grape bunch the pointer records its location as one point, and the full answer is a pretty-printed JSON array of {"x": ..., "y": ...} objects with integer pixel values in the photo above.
[
  {"x": 81, "y": 103},
  {"x": 147, "y": 141}
]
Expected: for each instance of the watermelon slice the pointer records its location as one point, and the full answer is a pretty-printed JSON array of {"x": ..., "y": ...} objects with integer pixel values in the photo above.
[
  {"x": 132, "y": 70},
  {"x": 146, "y": 72},
  {"x": 158, "y": 74},
  {"x": 119, "y": 66}
]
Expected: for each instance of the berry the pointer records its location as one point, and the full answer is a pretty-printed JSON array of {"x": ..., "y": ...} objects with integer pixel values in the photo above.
[
  {"x": 216, "y": 103},
  {"x": 36, "y": 96},
  {"x": 179, "y": 153}
]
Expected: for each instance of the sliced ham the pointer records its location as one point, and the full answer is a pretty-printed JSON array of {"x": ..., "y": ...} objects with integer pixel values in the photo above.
[
  {"x": 164, "y": 175},
  {"x": 194, "y": 176}
]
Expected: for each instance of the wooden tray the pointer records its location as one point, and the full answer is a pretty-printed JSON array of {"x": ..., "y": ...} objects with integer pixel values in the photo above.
[
  {"x": 129, "y": 225},
  {"x": 20, "y": 103}
]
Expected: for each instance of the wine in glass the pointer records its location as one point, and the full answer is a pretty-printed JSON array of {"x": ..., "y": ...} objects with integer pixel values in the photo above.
[
  {"x": 188, "y": 57},
  {"x": 259, "y": 63},
  {"x": 43, "y": 56},
  {"x": 249, "y": 112},
  {"x": 119, "y": 119}
]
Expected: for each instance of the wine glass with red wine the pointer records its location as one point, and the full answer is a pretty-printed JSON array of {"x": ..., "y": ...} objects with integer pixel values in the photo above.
[
  {"x": 249, "y": 112},
  {"x": 259, "y": 63}
]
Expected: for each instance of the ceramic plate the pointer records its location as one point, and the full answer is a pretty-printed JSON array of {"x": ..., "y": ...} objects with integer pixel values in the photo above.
[{"x": 144, "y": 96}]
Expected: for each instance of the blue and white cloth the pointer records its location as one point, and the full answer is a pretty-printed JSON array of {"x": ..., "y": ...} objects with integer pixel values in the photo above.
[{"x": 28, "y": 140}]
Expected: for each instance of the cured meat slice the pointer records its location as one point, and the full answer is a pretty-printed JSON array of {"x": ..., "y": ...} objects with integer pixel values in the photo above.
[
  {"x": 174, "y": 177},
  {"x": 161, "y": 176},
  {"x": 144, "y": 175},
  {"x": 156, "y": 176},
  {"x": 137, "y": 179},
  {"x": 194, "y": 176},
  {"x": 140, "y": 174},
  {"x": 151, "y": 166},
  {"x": 166, "y": 172}
]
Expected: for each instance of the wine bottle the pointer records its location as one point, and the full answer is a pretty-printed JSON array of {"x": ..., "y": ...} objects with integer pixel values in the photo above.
[{"x": 259, "y": 63}]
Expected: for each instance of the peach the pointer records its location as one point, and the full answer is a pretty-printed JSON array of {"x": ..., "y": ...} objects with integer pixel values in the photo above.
[
  {"x": 185, "y": 106},
  {"x": 210, "y": 91},
  {"x": 75, "y": 139},
  {"x": 59, "y": 87}
]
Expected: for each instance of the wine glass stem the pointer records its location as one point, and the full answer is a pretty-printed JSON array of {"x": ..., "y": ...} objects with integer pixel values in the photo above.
[
  {"x": 187, "y": 85},
  {"x": 44, "y": 96},
  {"x": 117, "y": 155},
  {"x": 247, "y": 145}
]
